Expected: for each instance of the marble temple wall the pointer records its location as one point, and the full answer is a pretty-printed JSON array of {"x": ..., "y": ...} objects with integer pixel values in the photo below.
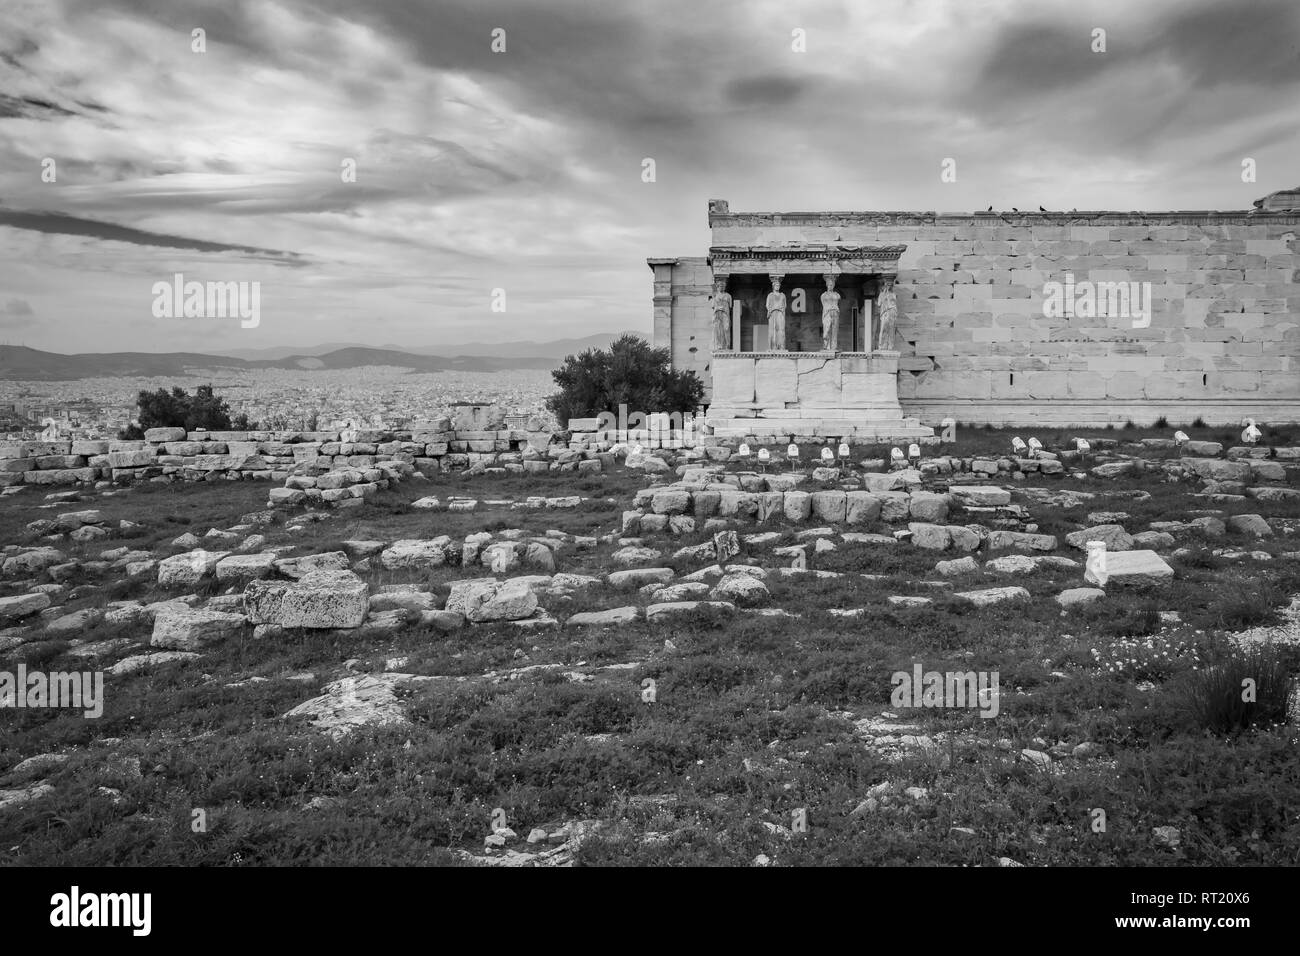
[{"x": 995, "y": 323}]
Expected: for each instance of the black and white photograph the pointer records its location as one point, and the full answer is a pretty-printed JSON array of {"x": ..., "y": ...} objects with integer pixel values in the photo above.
[{"x": 761, "y": 434}]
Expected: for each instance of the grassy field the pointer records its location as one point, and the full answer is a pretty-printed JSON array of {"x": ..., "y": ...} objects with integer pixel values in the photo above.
[{"x": 759, "y": 724}]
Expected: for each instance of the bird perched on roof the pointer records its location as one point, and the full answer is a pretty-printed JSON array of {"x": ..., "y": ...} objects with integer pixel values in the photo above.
[
  {"x": 1250, "y": 435},
  {"x": 990, "y": 209},
  {"x": 1014, "y": 209},
  {"x": 1181, "y": 437},
  {"x": 1018, "y": 445},
  {"x": 1041, "y": 209},
  {"x": 1035, "y": 446}
]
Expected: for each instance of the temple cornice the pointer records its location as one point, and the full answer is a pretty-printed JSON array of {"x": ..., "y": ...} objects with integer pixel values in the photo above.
[{"x": 806, "y": 257}]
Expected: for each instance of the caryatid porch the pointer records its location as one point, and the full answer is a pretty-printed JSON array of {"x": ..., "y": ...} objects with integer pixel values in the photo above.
[{"x": 803, "y": 342}]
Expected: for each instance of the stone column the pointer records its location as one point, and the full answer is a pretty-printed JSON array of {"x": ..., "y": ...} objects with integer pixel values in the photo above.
[
  {"x": 776, "y": 305},
  {"x": 663, "y": 301}
]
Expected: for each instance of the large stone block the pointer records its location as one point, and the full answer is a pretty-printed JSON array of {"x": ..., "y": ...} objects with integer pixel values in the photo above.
[
  {"x": 320, "y": 599},
  {"x": 963, "y": 538},
  {"x": 862, "y": 507},
  {"x": 33, "y": 560},
  {"x": 485, "y": 600},
  {"x": 734, "y": 382},
  {"x": 894, "y": 505},
  {"x": 21, "y": 605},
  {"x": 797, "y": 505},
  {"x": 1114, "y": 536},
  {"x": 819, "y": 382},
  {"x": 993, "y": 595},
  {"x": 131, "y": 459},
  {"x": 928, "y": 506},
  {"x": 1217, "y": 469},
  {"x": 286, "y": 496},
  {"x": 670, "y": 501},
  {"x": 1142, "y": 568},
  {"x": 829, "y": 506},
  {"x": 242, "y": 568},
  {"x": 182, "y": 628},
  {"x": 932, "y": 537},
  {"x": 980, "y": 496},
  {"x": 416, "y": 553},
  {"x": 62, "y": 476},
  {"x": 33, "y": 449},
  {"x": 188, "y": 569},
  {"x": 998, "y": 540},
  {"x": 737, "y": 504},
  {"x": 638, "y": 577}
]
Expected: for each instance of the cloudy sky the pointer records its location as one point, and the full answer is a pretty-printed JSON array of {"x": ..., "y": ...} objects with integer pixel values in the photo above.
[{"x": 522, "y": 170}]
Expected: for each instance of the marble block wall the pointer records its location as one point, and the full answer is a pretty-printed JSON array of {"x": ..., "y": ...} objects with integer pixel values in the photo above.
[{"x": 1223, "y": 341}]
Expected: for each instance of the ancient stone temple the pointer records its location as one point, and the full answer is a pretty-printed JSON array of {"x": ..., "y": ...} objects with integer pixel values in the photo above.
[{"x": 866, "y": 324}]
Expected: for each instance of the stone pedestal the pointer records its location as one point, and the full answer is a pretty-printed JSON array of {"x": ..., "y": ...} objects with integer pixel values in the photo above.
[{"x": 850, "y": 394}]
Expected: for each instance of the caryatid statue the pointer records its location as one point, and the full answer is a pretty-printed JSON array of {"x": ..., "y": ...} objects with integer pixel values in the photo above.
[
  {"x": 830, "y": 315},
  {"x": 776, "y": 316},
  {"x": 888, "y": 316},
  {"x": 721, "y": 316}
]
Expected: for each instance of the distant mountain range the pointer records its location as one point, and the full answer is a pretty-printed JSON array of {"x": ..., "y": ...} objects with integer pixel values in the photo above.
[
  {"x": 557, "y": 348},
  {"x": 19, "y": 363}
]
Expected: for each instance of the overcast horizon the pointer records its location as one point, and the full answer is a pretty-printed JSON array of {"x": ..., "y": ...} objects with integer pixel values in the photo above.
[{"x": 522, "y": 170}]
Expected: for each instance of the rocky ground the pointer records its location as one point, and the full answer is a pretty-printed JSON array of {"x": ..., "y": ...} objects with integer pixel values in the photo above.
[{"x": 682, "y": 658}]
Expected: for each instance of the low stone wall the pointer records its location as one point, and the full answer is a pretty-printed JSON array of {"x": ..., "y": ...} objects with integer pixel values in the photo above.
[
  {"x": 168, "y": 454},
  {"x": 706, "y": 491}
]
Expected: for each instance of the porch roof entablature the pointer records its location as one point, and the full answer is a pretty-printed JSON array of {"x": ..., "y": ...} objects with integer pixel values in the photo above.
[{"x": 815, "y": 258}]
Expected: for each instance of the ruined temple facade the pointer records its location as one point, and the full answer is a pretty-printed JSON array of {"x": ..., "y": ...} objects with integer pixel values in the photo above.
[{"x": 870, "y": 323}]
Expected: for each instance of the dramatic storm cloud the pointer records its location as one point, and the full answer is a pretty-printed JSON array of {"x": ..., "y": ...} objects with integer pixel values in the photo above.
[{"x": 522, "y": 170}]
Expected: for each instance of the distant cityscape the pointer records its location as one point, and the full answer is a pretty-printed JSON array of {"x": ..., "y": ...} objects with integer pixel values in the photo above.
[{"x": 275, "y": 399}]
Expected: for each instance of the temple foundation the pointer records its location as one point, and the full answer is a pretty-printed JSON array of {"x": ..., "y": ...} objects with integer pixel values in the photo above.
[{"x": 805, "y": 394}]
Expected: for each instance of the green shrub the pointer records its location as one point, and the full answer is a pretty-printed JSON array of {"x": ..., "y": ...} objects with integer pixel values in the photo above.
[
  {"x": 1250, "y": 609},
  {"x": 630, "y": 373},
  {"x": 1213, "y": 696}
]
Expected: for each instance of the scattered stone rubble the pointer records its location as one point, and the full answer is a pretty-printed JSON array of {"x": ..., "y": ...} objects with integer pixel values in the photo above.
[{"x": 480, "y": 443}]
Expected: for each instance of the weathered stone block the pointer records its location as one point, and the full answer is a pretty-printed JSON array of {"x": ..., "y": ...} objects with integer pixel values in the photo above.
[
  {"x": 189, "y": 629},
  {"x": 797, "y": 505},
  {"x": 829, "y": 506},
  {"x": 320, "y": 599},
  {"x": 862, "y": 507},
  {"x": 1143, "y": 568}
]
